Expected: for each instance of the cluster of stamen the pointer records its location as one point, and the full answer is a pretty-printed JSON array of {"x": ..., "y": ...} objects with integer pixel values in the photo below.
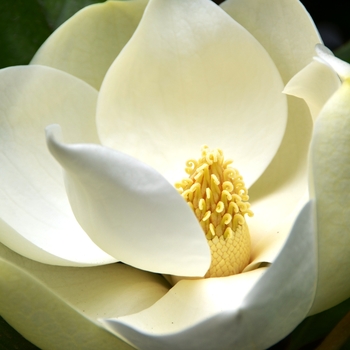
[{"x": 218, "y": 197}]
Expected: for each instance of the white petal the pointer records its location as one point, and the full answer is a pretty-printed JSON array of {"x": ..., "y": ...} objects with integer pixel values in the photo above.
[
  {"x": 250, "y": 310},
  {"x": 288, "y": 34},
  {"x": 33, "y": 200},
  {"x": 279, "y": 194},
  {"x": 87, "y": 44},
  {"x": 315, "y": 84},
  {"x": 58, "y": 307},
  {"x": 342, "y": 68},
  {"x": 266, "y": 250},
  {"x": 203, "y": 80},
  {"x": 283, "y": 27},
  {"x": 130, "y": 210},
  {"x": 194, "y": 314},
  {"x": 330, "y": 161}
]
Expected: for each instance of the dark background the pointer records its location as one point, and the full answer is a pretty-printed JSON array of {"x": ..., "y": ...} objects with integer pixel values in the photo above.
[{"x": 332, "y": 19}]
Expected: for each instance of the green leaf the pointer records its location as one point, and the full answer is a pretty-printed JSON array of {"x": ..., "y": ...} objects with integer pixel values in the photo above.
[
  {"x": 344, "y": 52},
  {"x": 25, "y": 24}
]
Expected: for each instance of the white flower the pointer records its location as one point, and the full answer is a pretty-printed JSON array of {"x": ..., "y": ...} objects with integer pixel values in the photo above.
[{"x": 190, "y": 75}]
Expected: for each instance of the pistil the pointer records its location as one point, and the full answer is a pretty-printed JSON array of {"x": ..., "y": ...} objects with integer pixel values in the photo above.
[{"x": 218, "y": 197}]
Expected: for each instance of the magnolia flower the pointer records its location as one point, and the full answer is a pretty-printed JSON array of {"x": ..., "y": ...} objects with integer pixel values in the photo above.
[{"x": 127, "y": 95}]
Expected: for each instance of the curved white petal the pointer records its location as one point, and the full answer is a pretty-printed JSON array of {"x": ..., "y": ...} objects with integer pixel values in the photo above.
[
  {"x": 87, "y": 44},
  {"x": 288, "y": 34},
  {"x": 33, "y": 201},
  {"x": 191, "y": 76},
  {"x": 58, "y": 307},
  {"x": 266, "y": 250},
  {"x": 25, "y": 247},
  {"x": 330, "y": 161},
  {"x": 283, "y": 27},
  {"x": 279, "y": 194},
  {"x": 342, "y": 68},
  {"x": 315, "y": 84},
  {"x": 130, "y": 211},
  {"x": 252, "y": 310}
]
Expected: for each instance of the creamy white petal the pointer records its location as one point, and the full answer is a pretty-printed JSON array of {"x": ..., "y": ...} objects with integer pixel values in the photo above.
[
  {"x": 191, "y": 76},
  {"x": 58, "y": 307},
  {"x": 341, "y": 67},
  {"x": 33, "y": 201},
  {"x": 315, "y": 84},
  {"x": 130, "y": 211},
  {"x": 283, "y": 27},
  {"x": 250, "y": 310},
  {"x": 288, "y": 34},
  {"x": 330, "y": 161},
  {"x": 87, "y": 44},
  {"x": 279, "y": 194},
  {"x": 194, "y": 314}
]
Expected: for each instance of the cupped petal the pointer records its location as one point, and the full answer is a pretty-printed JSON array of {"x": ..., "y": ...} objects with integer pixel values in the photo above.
[
  {"x": 87, "y": 44},
  {"x": 330, "y": 162},
  {"x": 194, "y": 314},
  {"x": 280, "y": 193},
  {"x": 58, "y": 307},
  {"x": 288, "y": 34},
  {"x": 130, "y": 211},
  {"x": 250, "y": 310},
  {"x": 203, "y": 80},
  {"x": 316, "y": 83},
  {"x": 283, "y": 27},
  {"x": 36, "y": 217}
]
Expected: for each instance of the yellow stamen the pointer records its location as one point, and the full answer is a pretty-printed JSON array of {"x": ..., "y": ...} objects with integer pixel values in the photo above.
[{"x": 218, "y": 197}]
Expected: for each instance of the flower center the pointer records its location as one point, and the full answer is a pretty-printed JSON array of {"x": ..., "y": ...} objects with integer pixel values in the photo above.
[{"x": 218, "y": 197}]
